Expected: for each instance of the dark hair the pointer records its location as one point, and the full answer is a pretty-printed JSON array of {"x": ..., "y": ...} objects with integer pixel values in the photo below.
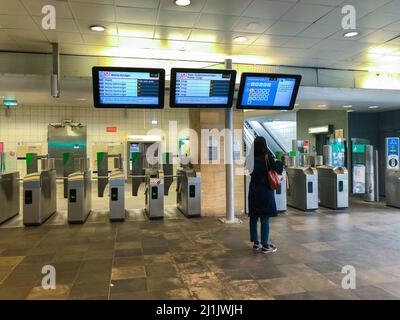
[{"x": 260, "y": 147}]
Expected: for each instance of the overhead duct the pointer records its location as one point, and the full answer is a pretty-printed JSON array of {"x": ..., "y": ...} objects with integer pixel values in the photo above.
[{"x": 55, "y": 76}]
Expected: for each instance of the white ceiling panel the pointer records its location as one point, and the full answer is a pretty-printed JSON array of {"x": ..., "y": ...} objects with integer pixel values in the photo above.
[
  {"x": 138, "y": 43},
  {"x": 379, "y": 37},
  {"x": 332, "y": 3},
  {"x": 287, "y": 28},
  {"x": 64, "y": 37},
  {"x": 267, "y": 9},
  {"x": 110, "y": 2},
  {"x": 88, "y": 11},
  {"x": 231, "y": 7},
  {"x": 136, "y": 15},
  {"x": 17, "y": 22},
  {"x": 377, "y": 20},
  {"x": 216, "y": 22},
  {"x": 170, "y": 18},
  {"x": 172, "y": 33},
  {"x": 301, "y": 43},
  {"x": 321, "y": 31},
  {"x": 271, "y": 40},
  {"x": 100, "y": 40},
  {"x": 12, "y": 7},
  {"x": 5, "y": 39},
  {"x": 138, "y": 31},
  {"x": 252, "y": 25},
  {"x": 393, "y": 26},
  {"x": 26, "y": 35},
  {"x": 151, "y": 4},
  {"x": 306, "y": 13}
]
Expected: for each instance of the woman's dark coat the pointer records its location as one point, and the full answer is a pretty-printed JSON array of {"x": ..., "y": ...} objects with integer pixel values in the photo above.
[{"x": 261, "y": 196}]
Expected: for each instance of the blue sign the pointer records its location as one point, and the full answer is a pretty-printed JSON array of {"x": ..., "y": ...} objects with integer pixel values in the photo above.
[{"x": 392, "y": 146}]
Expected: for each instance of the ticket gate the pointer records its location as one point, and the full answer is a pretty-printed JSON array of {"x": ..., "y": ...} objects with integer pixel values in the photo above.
[
  {"x": 40, "y": 196},
  {"x": 79, "y": 196},
  {"x": 302, "y": 192},
  {"x": 281, "y": 194},
  {"x": 9, "y": 195},
  {"x": 188, "y": 192},
  {"x": 117, "y": 196},
  {"x": 333, "y": 187},
  {"x": 154, "y": 193},
  {"x": 393, "y": 188}
]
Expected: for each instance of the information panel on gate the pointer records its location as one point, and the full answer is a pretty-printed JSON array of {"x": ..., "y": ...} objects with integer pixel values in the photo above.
[
  {"x": 268, "y": 91},
  {"x": 202, "y": 88},
  {"x": 128, "y": 87}
]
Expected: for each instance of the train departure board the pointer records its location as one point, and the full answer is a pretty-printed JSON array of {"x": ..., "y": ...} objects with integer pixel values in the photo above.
[
  {"x": 196, "y": 88},
  {"x": 268, "y": 91},
  {"x": 128, "y": 87}
]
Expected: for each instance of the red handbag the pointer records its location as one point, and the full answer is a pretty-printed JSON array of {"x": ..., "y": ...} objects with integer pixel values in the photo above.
[{"x": 274, "y": 180}]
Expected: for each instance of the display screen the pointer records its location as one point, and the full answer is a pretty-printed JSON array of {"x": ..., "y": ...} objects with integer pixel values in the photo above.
[
  {"x": 202, "y": 88},
  {"x": 128, "y": 87},
  {"x": 263, "y": 91}
]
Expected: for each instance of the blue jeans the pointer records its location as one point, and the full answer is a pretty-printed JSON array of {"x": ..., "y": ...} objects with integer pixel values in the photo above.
[{"x": 264, "y": 230}]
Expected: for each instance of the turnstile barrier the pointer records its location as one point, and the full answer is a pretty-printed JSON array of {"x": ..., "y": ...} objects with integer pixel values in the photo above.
[
  {"x": 302, "y": 192},
  {"x": 9, "y": 195},
  {"x": 40, "y": 197},
  {"x": 117, "y": 195},
  {"x": 188, "y": 192},
  {"x": 79, "y": 196},
  {"x": 333, "y": 185}
]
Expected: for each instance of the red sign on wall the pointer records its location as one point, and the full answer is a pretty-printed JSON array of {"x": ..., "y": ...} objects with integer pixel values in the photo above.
[{"x": 111, "y": 129}]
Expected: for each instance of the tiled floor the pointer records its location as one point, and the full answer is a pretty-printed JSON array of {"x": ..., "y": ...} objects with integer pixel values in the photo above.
[{"x": 202, "y": 258}]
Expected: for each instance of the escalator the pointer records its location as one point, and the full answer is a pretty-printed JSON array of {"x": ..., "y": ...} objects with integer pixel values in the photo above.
[{"x": 253, "y": 129}]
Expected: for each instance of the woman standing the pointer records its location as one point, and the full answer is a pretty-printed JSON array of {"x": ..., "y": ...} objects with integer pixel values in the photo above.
[{"x": 261, "y": 199}]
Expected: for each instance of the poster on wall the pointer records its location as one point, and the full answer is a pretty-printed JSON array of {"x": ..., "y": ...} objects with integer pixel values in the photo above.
[
  {"x": 358, "y": 179},
  {"x": 237, "y": 146},
  {"x": 1, "y": 147},
  {"x": 29, "y": 147},
  {"x": 184, "y": 147}
]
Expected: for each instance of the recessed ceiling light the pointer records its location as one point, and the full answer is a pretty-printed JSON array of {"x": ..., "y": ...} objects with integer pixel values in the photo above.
[
  {"x": 240, "y": 39},
  {"x": 182, "y": 3},
  {"x": 154, "y": 122},
  {"x": 350, "y": 34},
  {"x": 322, "y": 105},
  {"x": 97, "y": 28},
  {"x": 347, "y": 107},
  {"x": 373, "y": 107}
]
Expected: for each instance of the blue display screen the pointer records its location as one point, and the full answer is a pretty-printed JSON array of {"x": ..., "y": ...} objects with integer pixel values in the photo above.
[
  {"x": 129, "y": 88},
  {"x": 202, "y": 88},
  {"x": 268, "y": 92}
]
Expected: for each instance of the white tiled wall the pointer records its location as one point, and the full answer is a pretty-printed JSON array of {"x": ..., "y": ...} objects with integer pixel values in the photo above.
[{"x": 29, "y": 123}]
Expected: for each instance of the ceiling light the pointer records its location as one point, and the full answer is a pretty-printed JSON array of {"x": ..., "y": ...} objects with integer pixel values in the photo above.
[
  {"x": 296, "y": 105},
  {"x": 154, "y": 122},
  {"x": 322, "y": 105},
  {"x": 373, "y": 107},
  {"x": 240, "y": 39},
  {"x": 347, "y": 107},
  {"x": 97, "y": 28},
  {"x": 182, "y": 3},
  {"x": 350, "y": 34}
]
